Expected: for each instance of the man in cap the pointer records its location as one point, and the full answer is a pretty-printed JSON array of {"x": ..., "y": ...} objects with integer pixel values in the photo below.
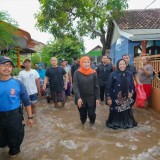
[
  {"x": 41, "y": 73},
  {"x": 12, "y": 91},
  {"x": 68, "y": 71},
  {"x": 31, "y": 80}
]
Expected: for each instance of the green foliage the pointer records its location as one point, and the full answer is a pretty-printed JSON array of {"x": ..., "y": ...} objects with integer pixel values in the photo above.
[
  {"x": 12, "y": 54},
  {"x": 79, "y": 17},
  {"x": 16, "y": 71},
  {"x": 67, "y": 47},
  {"x": 36, "y": 58},
  {"x": 7, "y": 30}
]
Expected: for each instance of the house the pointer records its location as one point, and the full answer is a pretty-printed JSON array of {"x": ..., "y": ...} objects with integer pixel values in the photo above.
[
  {"x": 24, "y": 44},
  {"x": 95, "y": 54},
  {"x": 137, "y": 33}
]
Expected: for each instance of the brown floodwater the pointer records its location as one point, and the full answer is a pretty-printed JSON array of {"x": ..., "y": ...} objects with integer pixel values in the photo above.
[{"x": 57, "y": 134}]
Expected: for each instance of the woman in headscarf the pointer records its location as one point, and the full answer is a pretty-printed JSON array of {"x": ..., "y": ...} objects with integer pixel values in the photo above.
[
  {"x": 86, "y": 90},
  {"x": 119, "y": 94}
]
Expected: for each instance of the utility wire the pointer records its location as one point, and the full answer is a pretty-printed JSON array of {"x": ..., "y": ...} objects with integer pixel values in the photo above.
[{"x": 150, "y": 4}]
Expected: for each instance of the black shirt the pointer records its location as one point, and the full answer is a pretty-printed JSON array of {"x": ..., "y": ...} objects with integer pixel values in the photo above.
[
  {"x": 132, "y": 69},
  {"x": 74, "y": 67},
  {"x": 55, "y": 75},
  {"x": 103, "y": 72}
]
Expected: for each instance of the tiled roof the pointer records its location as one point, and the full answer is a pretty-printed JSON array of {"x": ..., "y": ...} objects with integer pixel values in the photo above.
[{"x": 140, "y": 19}]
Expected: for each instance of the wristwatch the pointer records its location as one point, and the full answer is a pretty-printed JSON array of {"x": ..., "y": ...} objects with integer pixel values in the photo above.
[{"x": 30, "y": 117}]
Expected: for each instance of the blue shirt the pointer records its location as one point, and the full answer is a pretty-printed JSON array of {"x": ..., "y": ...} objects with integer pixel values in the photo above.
[
  {"x": 12, "y": 91},
  {"x": 41, "y": 73}
]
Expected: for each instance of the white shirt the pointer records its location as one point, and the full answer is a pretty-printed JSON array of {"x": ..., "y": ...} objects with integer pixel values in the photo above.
[{"x": 29, "y": 80}]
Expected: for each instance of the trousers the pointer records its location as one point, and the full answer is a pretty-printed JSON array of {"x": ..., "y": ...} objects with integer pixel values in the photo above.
[
  {"x": 11, "y": 130},
  {"x": 89, "y": 111}
]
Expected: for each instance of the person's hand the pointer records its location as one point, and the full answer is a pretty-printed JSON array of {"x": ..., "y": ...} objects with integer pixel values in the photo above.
[
  {"x": 142, "y": 68},
  {"x": 44, "y": 87},
  {"x": 139, "y": 83},
  {"x": 65, "y": 86},
  {"x": 97, "y": 102},
  {"x": 80, "y": 102},
  {"x": 130, "y": 95},
  {"x": 30, "y": 122},
  {"x": 109, "y": 102},
  {"x": 39, "y": 94}
]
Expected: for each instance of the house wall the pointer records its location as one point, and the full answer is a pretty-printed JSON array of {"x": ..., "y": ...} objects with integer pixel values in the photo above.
[
  {"x": 119, "y": 48},
  {"x": 123, "y": 46},
  {"x": 131, "y": 50},
  {"x": 115, "y": 36}
]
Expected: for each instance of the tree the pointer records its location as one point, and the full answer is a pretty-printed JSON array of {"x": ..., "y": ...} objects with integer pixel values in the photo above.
[
  {"x": 66, "y": 47},
  {"x": 7, "y": 29},
  {"x": 79, "y": 17}
]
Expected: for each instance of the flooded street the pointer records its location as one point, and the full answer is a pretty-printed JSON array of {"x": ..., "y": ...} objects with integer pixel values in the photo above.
[{"x": 58, "y": 135}]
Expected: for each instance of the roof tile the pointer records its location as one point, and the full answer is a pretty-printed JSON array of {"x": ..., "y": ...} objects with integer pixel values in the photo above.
[{"x": 140, "y": 19}]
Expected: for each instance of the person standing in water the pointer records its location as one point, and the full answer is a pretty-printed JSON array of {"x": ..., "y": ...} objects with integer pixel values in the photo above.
[
  {"x": 145, "y": 74},
  {"x": 103, "y": 71},
  {"x": 119, "y": 93},
  {"x": 12, "y": 91},
  {"x": 55, "y": 75},
  {"x": 31, "y": 80},
  {"x": 86, "y": 89}
]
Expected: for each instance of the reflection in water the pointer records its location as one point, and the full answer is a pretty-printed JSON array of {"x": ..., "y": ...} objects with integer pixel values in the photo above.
[{"x": 59, "y": 135}]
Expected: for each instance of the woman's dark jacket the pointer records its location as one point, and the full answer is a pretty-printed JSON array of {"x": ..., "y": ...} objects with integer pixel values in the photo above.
[
  {"x": 113, "y": 88},
  {"x": 86, "y": 87}
]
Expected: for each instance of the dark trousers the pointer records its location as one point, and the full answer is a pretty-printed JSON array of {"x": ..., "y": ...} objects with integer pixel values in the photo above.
[
  {"x": 102, "y": 90},
  {"x": 87, "y": 110},
  {"x": 11, "y": 130},
  {"x": 134, "y": 98},
  {"x": 67, "y": 91}
]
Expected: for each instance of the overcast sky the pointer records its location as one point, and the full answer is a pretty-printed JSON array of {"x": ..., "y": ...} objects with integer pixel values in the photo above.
[{"x": 22, "y": 11}]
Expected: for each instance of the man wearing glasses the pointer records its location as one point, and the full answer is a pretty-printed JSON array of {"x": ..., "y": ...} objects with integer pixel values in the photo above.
[{"x": 12, "y": 91}]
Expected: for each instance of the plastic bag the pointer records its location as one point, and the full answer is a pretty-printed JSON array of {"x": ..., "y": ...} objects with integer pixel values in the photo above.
[{"x": 140, "y": 96}]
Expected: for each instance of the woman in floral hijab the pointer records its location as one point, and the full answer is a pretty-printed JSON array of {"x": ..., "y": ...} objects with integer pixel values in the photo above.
[{"x": 119, "y": 94}]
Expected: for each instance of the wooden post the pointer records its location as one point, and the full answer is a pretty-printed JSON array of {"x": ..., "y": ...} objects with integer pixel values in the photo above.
[
  {"x": 144, "y": 45},
  {"x": 18, "y": 57}
]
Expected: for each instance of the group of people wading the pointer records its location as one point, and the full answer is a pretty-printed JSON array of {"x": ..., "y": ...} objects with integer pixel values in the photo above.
[
  {"x": 114, "y": 85},
  {"x": 117, "y": 83}
]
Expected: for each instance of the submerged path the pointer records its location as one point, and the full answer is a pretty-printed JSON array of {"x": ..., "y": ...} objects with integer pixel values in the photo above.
[{"x": 58, "y": 135}]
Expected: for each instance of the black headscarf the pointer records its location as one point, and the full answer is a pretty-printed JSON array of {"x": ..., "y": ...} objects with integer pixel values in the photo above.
[{"x": 123, "y": 80}]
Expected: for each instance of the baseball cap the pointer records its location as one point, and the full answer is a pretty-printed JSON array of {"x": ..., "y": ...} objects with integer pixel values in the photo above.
[
  {"x": 39, "y": 65},
  {"x": 4, "y": 59},
  {"x": 63, "y": 60},
  {"x": 27, "y": 60}
]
